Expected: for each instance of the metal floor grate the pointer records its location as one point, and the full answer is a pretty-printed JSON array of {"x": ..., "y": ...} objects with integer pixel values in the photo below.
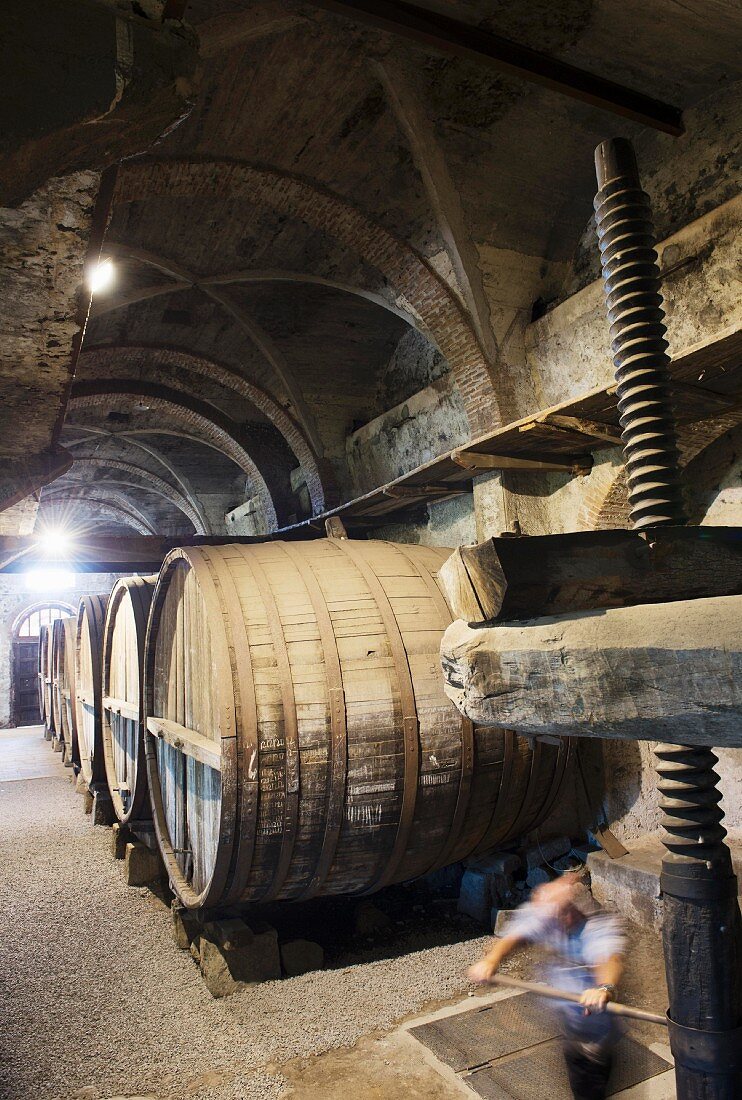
[
  {"x": 540, "y": 1072},
  {"x": 471, "y": 1038},
  {"x": 510, "y": 1050}
]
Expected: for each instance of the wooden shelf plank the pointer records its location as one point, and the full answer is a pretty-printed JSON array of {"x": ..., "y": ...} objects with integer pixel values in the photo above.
[
  {"x": 122, "y": 707},
  {"x": 187, "y": 741}
]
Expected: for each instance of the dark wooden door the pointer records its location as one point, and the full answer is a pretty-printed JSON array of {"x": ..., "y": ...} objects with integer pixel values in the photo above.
[{"x": 26, "y": 681}]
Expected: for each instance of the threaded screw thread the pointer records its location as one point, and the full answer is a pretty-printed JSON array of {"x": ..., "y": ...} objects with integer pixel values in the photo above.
[{"x": 631, "y": 282}]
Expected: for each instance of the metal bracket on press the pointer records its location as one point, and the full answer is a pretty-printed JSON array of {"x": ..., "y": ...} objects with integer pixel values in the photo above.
[
  {"x": 706, "y": 1051},
  {"x": 699, "y": 888}
]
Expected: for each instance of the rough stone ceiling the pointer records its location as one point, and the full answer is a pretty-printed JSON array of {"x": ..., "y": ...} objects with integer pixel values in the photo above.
[{"x": 339, "y": 200}]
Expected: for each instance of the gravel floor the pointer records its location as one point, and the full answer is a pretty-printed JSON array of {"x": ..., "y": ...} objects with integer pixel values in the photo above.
[{"x": 97, "y": 1002}]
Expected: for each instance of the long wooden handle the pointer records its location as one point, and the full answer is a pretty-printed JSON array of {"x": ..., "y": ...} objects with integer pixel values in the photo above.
[{"x": 564, "y": 995}]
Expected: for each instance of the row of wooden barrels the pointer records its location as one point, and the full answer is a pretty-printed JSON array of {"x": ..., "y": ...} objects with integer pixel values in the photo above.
[{"x": 277, "y": 711}]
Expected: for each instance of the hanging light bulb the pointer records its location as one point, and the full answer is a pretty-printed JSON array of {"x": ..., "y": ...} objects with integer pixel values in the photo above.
[{"x": 101, "y": 277}]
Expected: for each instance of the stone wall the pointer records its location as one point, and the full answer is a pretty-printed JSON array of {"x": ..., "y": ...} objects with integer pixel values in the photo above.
[{"x": 17, "y": 594}]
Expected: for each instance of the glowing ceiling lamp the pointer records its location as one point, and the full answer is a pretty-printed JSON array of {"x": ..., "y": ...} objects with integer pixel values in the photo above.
[
  {"x": 54, "y": 541},
  {"x": 101, "y": 277}
]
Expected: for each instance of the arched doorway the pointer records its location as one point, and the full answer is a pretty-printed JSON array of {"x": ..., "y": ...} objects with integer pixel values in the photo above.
[{"x": 24, "y": 694}]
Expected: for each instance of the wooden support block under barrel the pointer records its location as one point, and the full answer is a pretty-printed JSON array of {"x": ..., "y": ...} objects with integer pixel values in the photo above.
[
  {"x": 519, "y": 578},
  {"x": 663, "y": 671}
]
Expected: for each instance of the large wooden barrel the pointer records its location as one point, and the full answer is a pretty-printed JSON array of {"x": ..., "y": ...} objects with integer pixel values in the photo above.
[
  {"x": 299, "y": 741},
  {"x": 43, "y": 644},
  {"x": 64, "y": 682},
  {"x": 91, "y": 616},
  {"x": 123, "y": 696},
  {"x": 57, "y": 644}
]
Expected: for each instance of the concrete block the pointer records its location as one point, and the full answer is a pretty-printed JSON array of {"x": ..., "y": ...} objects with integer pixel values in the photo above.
[
  {"x": 119, "y": 839},
  {"x": 475, "y": 899},
  {"x": 546, "y": 851},
  {"x": 301, "y": 956},
  {"x": 537, "y": 877},
  {"x": 370, "y": 919},
  {"x": 501, "y": 919},
  {"x": 233, "y": 955},
  {"x": 496, "y": 863},
  {"x": 80, "y": 784},
  {"x": 141, "y": 865},
  {"x": 57, "y": 744},
  {"x": 87, "y": 801},
  {"x": 446, "y": 880},
  {"x": 67, "y": 755},
  {"x": 186, "y": 927},
  {"x": 631, "y": 883},
  {"x": 102, "y": 810}
]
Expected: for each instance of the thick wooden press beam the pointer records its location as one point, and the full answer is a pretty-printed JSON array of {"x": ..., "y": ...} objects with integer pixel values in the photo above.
[
  {"x": 670, "y": 671},
  {"x": 441, "y": 34},
  {"x": 591, "y": 428},
  {"x": 480, "y": 460},
  {"x": 519, "y": 578}
]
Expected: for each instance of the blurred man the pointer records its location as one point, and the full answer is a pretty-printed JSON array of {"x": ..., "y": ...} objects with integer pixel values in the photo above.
[{"x": 562, "y": 917}]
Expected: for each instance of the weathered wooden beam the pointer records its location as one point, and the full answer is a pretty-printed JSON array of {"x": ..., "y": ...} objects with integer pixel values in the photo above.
[
  {"x": 402, "y": 492},
  {"x": 721, "y": 401},
  {"x": 592, "y": 428},
  {"x": 112, "y": 553},
  {"x": 520, "y": 578},
  {"x": 442, "y": 34},
  {"x": 480, "y": 460},
  {"x": 670, "y": 671}
]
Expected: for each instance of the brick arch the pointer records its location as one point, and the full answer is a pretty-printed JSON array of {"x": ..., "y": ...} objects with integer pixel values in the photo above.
[
  {"x": 611, "y": 509},
  {"x": 419, "y": 289},
  {"x": 107, "y": 506},
  {"x": 157, "y": 483},
  {"x": 180, "y": 358},
  {"x": 200, "y": 424},
  {"x": 125, "y": 439}
]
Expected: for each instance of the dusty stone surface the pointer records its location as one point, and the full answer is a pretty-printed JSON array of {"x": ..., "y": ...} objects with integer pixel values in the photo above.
[
  {"x": 186, "y": 927},
  {"x": 102, "y": 808},
  {"x": 369, "y": 919},
  {"x": 233, "y": 955},
  {"x": 301, "y": 956},
  {"x": 142, "y": 866},
  {"x": 631, "y": 884},
  {"x": 119, "y": 840}
]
